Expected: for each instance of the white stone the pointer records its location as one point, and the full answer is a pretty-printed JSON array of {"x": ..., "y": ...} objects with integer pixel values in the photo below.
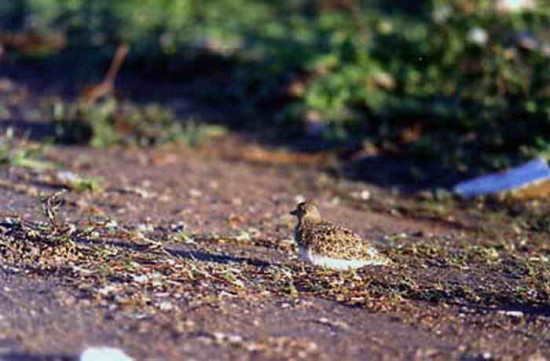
[{"x": 103, "y": 353}]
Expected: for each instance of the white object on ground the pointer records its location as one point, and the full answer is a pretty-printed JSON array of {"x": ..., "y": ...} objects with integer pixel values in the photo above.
[
  {"x": 103, "y": 353},
  {"x": 532, "y": 172}
]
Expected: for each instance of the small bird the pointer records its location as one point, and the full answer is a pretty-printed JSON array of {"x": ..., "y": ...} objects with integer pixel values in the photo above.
[{"x": 325, "y": 244}]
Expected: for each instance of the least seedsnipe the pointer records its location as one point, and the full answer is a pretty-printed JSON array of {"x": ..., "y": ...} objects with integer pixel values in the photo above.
[{"x": 325, "y": 244}]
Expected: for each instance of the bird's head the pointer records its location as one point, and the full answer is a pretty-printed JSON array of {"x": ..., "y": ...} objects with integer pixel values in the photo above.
[{"x": 306, "y": 210}]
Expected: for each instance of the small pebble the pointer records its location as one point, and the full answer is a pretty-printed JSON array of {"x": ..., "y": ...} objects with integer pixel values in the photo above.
[{"x": 104, "y": 354}]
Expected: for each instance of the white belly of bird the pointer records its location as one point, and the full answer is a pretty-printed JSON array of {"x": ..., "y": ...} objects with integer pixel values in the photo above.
[{"x": 338, "y": 263}]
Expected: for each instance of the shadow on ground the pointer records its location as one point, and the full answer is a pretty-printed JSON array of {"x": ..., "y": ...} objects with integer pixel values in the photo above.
[
  {"x": 184, "y": 252},
  {"x": 20, "y": 356},
  {"x": 217, "y": 258}
]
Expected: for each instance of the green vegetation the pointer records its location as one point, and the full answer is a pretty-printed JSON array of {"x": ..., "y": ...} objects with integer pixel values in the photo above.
[
  {"x": 111, "y": 122},
  {"x": 441, "y": 79},
  {"x": 79, "y": 183},
  {"x": 19, "y": 153}
]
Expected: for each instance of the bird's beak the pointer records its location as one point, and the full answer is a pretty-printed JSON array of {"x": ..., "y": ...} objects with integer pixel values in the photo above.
[{"x": 294, "y": 212}]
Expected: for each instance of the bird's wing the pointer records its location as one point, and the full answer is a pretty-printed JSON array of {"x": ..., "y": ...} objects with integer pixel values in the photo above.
[
  {"x": 328, "y": 238},
  {"x": 335, "y": 241},
  {"x": 335, "y": 231}
]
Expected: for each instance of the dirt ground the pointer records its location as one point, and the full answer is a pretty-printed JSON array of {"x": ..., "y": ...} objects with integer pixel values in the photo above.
[{"x": 187, "y": 254}]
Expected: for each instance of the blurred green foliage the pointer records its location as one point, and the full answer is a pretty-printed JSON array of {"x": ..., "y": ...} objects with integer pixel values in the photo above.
[
  {"x": 110, "y": 123},
  {"x": 20, "y": 153},
  {"x": 462, "y": 81}
]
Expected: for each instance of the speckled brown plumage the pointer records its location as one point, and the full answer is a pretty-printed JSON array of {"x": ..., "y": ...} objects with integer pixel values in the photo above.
[{"x": 316, "y": 236}]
